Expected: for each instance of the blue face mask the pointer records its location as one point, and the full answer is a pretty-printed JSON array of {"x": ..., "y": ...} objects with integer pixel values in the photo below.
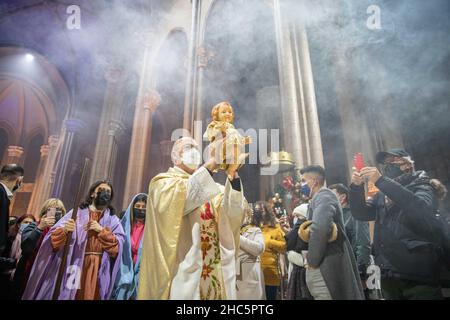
[
  {"x": 23, "y": 226},
  {"x": 305, "y": 190}
]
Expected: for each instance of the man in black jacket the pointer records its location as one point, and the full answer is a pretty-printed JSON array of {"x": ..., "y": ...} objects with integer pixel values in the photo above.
[
  {"x": 405, "y": 242},
  {"x": 10, "y": 180},
  {"x": 11, "y": 177}
]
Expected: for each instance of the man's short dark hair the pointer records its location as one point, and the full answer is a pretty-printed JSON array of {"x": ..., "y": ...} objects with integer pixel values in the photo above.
[
  {"x": 340, "y": 188},
  {"x": 314, "y": 169},
  {"x": 11, "y": 172}
]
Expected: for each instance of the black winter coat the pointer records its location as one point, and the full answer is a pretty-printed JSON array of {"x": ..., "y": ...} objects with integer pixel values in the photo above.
[
  {"x": 406, "y": 238},
  {"x": 4, "y": 219}
]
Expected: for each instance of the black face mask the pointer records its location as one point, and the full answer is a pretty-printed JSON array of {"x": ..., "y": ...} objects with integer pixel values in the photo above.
[
  {"x": 16, "y": 187},
  {"x": 139, "y": 213},
  {"x": 103, "y": 198},
  {"x": 392, "y": 170}
]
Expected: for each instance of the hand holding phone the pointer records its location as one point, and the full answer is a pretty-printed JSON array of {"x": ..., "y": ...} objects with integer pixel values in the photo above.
[
  {"x": 48, "y": 220},
  {"x": 358, "y": 164}
]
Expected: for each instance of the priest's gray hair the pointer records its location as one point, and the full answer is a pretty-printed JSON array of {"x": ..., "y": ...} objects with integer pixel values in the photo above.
[{"x": 178, "y": 146}]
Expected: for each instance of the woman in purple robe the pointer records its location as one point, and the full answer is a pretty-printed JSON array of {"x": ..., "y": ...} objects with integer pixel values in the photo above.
[{"x": 94, "y": 254}]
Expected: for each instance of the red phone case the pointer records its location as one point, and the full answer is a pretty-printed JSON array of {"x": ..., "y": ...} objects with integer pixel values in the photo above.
[{"x": 358, "y": 162}]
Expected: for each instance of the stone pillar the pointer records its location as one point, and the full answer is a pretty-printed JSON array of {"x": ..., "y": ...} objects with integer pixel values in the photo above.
[
  {"x": 71, "y": 127},
  {"x": 268, "y": 117},
  {"x": 140, "y": 143},
  {"x": 106, "y": 151},
  {"x": 357, "y": 136},
  {"x": 192, "y": 76},
  {"x": 290, "y": 116},
  {"x": 46, "y": 175},
  {"x": 166, "y": 148},
  {"x": 203, "y": 58},
  {"x": 301, "y": 131},
  {"x": 309, "y": 104},
  {"x": 390, "y": 132},
  {"x": 14, "y": 155},
  {"x": 384, "y": 125},
  {"x": 365, "y": 128},
  {"x": 110, "y": 127},
  {"x": 34, "y": 205}
]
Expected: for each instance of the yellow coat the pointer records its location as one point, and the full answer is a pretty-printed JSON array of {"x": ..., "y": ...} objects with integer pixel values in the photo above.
[{"x": 275, "y": 244}]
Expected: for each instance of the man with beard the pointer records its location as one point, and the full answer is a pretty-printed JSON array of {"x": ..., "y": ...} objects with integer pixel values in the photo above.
[
  {"x": 93, "y": 257},
  {"x": 405, "y": 239}
]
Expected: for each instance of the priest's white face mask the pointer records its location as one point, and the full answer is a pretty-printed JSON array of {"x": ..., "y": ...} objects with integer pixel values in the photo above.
[
  {"x": 191, "y": 158},
  {"x": 185, "y": 154}
]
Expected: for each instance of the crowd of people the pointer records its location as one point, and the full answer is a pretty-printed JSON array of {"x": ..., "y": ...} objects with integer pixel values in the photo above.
[{"x": 193, "y": 238}]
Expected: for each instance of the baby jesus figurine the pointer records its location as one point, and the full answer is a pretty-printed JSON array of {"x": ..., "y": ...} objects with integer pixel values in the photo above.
[{"x": 222, "y": 126}]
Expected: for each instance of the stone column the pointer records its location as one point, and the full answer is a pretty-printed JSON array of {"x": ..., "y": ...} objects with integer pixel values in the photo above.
[
  {"x": 365, "y": 129},
  {"x": 268, "y": 116},
  {"x": 192, "y": 75},
  {"x": 71, "y": 127},
  {"x": 166, "y": 148},
  {"x": 203, "y": 58},
  {"x": 34, "y": 205},
  {"x": 357, "y": 136},
  {"x": 106, "y": 151},
  {"x": 140, "y": 143},
  {"x": 14, "y": 155},
  {"x": 46, "y": 175},
  {"x": 309, "y": 104},
  {"x": 289, "y": 110},
  {"x": 301, "y": 131},
  {"x": 383, "y": 124},
  {"x": 110, "y": 127}
]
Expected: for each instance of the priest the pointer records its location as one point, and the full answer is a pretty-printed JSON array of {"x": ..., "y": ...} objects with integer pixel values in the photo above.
[{"x": 191, "y": 235}]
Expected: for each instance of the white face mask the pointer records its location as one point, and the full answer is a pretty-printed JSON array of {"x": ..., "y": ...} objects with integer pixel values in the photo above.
[{"x": 191, "y": 158}]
